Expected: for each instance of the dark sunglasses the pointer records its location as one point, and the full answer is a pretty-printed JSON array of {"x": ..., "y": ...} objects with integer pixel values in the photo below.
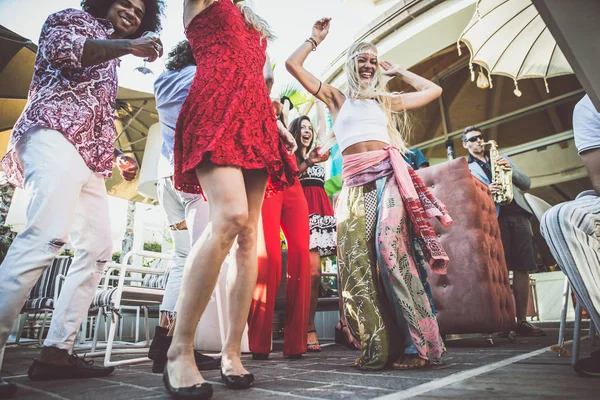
[{"x": 473, "y": 139}]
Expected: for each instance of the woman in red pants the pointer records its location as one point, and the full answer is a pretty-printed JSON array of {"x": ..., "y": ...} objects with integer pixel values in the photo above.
[
  {"x": 322, "y": 222},
  {"x": 288, "y": 210}
]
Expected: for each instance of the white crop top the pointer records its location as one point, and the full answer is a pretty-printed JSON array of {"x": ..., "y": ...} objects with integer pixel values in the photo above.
[{"x": 359, "y": 121}]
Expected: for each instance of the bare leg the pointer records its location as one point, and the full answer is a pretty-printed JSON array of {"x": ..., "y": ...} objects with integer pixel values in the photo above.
[
  {"x": 228, "y": 215},
  {"x": 241, "y": 277},
  {"x": 315, "y": 278},
  {"x": 343, "y": 324},
  {"x": 521, "y": 293}
]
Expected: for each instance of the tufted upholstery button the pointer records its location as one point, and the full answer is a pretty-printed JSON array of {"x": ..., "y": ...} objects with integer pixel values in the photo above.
[{"x": 477, "y": 268}]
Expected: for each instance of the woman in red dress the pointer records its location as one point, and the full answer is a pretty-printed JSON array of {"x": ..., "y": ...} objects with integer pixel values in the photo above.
[{"x": 229, "y": 148}]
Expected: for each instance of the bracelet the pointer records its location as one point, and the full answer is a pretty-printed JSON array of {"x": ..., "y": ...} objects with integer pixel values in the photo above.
[
  {"x": 319, "y": 89},
  {"x": 313, "y": 42}
]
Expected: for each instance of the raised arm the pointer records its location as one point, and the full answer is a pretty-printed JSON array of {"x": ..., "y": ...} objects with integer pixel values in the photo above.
[
  {"x": 321, "y": 120},
  {"x": 65, "y": 44},
  {"x": 427, "y": 91},
  {"x": 98, "y": 51},
  {"x": 191, "y": 8},
  {"x": 287, "y": 106},
  {"x": 295, "y": 66}
]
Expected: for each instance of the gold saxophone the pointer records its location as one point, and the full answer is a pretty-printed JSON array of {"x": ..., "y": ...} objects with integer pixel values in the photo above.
[{"x": 501, "y": 176}]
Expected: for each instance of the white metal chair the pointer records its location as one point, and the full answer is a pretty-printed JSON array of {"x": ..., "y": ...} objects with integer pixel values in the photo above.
[
  {"x": 540, "y": 207},
  {"x": 44, "y": 294},
  {"x": 132, "y": 290}
]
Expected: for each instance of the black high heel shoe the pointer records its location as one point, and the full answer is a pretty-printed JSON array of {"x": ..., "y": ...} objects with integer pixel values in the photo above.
[
  {"x": 199, "y": 392},
  {"x": 260, "y": 356},
  {"x": 237, "y": 382}
]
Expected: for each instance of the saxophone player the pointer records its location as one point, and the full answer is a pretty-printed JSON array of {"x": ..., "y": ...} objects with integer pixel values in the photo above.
[{"x": 513, "y": 218}]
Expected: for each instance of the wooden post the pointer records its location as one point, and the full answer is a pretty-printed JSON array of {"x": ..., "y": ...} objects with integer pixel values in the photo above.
[{"x": 574, "y": 25}]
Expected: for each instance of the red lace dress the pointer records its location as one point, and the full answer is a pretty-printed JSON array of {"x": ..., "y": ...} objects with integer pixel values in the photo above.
[{"x": 227, "y": 117}]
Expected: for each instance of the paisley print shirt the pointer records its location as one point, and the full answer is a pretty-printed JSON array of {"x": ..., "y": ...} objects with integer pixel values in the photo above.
[{"x": 77, "y": 101}]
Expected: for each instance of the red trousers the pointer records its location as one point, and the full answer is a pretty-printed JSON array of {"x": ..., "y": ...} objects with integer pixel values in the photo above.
[{"x": 290, "y": 211}]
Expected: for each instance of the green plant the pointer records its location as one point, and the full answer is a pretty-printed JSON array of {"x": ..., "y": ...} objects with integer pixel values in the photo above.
[
  {"x": 296, "y": 94},
  {"x": 116, "y": 256},
  {"x": 6, "y": 238},
  {"x": 153, "y": 246}
]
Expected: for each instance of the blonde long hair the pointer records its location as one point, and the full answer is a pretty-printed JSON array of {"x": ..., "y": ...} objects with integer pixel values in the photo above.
[
  {"x": 376, "y": 90},
  {"x": 254, "y": 20}
]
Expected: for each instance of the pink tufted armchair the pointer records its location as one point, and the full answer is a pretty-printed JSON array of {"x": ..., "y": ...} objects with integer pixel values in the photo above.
[{"x": 475, "y": 296}]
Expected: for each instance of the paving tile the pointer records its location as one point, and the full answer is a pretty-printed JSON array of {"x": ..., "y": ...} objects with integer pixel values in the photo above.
[
  {"x": 138, "y": 379},
  {"x": 287, "y": 385},
  {"x": 25, "y": 393},
  {"x": 71, "y": 388},
  {"x": 329, "y": 375},
  {"x": 335, "y": 392},
  {"x": 389, "y": 382}
]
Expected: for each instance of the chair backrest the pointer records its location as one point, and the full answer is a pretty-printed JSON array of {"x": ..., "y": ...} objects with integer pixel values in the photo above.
[
  {"x": 538, "y": 205},
  {"x": 45, "y": 286}
]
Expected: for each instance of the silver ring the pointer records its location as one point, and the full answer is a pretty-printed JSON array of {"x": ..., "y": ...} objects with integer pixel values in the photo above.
[{"x": 157, "y": 47}]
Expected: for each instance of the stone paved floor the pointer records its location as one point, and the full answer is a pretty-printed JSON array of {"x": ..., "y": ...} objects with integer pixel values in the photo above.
[{"x": 470, "y": 371}]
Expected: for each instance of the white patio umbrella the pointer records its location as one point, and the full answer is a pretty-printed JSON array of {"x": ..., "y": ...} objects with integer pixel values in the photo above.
[{"x": 509, "y": 37}]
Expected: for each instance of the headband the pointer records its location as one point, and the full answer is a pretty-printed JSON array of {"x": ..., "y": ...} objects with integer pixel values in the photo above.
[{"x": 360, "y": 52}]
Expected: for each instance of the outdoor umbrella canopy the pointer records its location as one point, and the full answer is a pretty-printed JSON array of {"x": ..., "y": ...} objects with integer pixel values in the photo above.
[
  {"x": 17, "y": 57},
  {"x": 136, "y": 111},
  {"x": 509, "y": 37}
]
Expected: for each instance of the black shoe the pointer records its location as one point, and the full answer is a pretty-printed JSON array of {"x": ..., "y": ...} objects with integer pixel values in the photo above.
[
  {"x": 260, "y": 356},
  {"x": 160, "y": 346},
  {"x": 293, "y": 356},
  {"x": 7, "y": 389},
  {"x": 76, "y": 369},
  {"x": 203, "y": 391},
  {"x": 158, "y": 349},
  {"x": 237, "y": 382},
  {"x": 525, "y": 328},
  {"x": 205, "y": 363},
  {"x": 588, "y": 367}
]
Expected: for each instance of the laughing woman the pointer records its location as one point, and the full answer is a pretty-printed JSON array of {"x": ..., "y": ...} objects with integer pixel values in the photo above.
[
  {"x": 321, "y": 218},
  {"x": 384, "y": 236}
]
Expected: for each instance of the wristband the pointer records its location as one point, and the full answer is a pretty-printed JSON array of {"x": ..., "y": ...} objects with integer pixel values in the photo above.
[{"x": 313, "y": 42}]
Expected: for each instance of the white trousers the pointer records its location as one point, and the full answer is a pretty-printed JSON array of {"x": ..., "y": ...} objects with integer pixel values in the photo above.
[
  {"x": 180, "y": 206},
  {"x": 64, "y": 196}
]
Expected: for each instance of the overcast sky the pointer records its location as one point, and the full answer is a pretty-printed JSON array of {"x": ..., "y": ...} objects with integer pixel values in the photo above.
[{"x": 290, "y": 19}]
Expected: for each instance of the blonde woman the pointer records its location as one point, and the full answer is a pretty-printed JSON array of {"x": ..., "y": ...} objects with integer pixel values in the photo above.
[
  {"x": 383, "y": 211},
  {"x": 227, "y": 147}
]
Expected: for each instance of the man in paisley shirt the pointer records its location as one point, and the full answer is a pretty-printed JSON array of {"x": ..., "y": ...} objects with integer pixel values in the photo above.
[{"x": 60, "y": 151}]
